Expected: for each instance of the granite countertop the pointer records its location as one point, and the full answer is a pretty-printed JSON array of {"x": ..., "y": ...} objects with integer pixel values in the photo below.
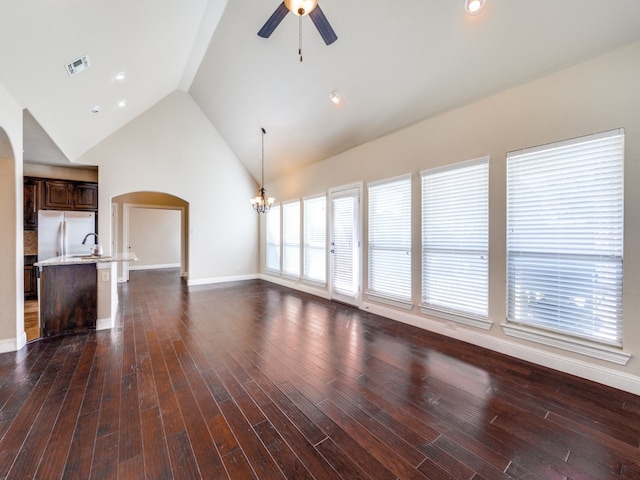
[{"x": 80, "y": 259}]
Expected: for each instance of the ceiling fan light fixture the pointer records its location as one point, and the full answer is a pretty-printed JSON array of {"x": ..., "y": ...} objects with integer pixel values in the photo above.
[
  {"x": 474, "y": 7},
  {"x": 301, "y": 7}
]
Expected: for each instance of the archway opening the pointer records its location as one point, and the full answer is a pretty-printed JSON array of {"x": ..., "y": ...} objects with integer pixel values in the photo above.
[
  {"x": 154, "y": 225},
  {"x": 12, "y": 336}
]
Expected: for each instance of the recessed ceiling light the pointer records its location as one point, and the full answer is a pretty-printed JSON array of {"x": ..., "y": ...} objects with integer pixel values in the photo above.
[
  {"x": 335, "y": 98},
  {"x": 121, "y": 76},
  {"x": 122, "y": 103},
  {"x": 95, "y": 109},
  {"x": 474, "y": 7}
]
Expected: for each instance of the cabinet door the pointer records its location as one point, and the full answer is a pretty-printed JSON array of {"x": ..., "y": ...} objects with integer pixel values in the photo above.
[
  {"x": 85, "y": 196},
  {"x": 57, "y": 194},
  {"x": 30, "y": 280},
  {"x": 31, "y": 203}
]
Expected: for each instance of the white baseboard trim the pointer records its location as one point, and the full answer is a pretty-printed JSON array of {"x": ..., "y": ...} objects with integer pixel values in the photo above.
[
  {"x": 13, "y": 344},
  {"x": 105, "y": 323},
  {"x": 208, "y": 281},
  {"x": 580, "y": 368},
  {"x": 296, "y": 285},
  {"x": 21, "y": 340},
  {"x": 154, "y": 267}
]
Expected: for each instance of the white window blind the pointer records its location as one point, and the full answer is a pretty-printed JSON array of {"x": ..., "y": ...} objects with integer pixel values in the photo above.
[
  {"x": 390, "y": 240},
  {"x": 291, "y": 239},
  {"x": 564, "y": 240},
  {"x": 455, "y": 241},
  {"x": 314, "y": 226},
  {"x": 273, "y": 239},
  {"x": 343, "y": 244}
]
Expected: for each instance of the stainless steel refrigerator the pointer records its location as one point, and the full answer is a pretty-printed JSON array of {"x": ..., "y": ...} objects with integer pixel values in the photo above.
[{"x": 62, "y": 232}]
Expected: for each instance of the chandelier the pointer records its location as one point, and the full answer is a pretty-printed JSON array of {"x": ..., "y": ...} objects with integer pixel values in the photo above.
[{"x": 261, "y": 203}]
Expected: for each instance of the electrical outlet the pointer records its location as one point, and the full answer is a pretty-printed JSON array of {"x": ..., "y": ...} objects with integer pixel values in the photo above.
[{"x": 105, "y": 276}]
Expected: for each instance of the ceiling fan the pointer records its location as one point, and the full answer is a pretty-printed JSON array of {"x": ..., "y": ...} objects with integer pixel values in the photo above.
[{"x": 300, "y": 8}]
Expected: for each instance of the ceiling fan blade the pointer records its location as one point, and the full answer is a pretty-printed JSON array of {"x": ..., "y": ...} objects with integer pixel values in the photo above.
[
  {"x": 274, "y": 20},
  {"x": 322, "y": 24}
]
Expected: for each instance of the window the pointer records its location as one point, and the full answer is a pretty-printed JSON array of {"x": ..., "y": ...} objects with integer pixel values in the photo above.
[
  {"x": 315, "y": 239},
  {"x": 564, "y": 237},
  {"x": 273, "y": 239},
  {"x": 291, "y": 239},
  {"x": 455, "y": 242},
  {"x": 390, "y": 241}
]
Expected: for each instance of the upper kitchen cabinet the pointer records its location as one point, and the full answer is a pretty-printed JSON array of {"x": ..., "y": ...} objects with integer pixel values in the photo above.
[
  {"x": 57, "y": 194},
  {"x": 69, "y": 195},
  {"x": 31, "y": 203},
  {"x": 85, "y": 196},
  {"x": 50, "y": 194}
]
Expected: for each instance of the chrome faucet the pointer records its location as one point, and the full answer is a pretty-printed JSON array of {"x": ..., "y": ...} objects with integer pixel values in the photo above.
[
  {"x": 88, "y": 235},
  {"x": 97, "y": 248}
]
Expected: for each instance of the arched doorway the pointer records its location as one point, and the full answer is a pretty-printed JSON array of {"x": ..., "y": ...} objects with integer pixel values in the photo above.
[
  {"x": 153, "y": 224},
  {"x": 12, "y": 335}
]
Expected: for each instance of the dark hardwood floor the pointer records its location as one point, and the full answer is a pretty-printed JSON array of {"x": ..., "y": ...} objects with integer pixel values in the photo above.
[{"x": 251, "y": 380}]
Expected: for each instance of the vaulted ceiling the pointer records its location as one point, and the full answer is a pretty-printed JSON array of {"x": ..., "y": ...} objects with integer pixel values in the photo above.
[{"x": 394, "y": 63}]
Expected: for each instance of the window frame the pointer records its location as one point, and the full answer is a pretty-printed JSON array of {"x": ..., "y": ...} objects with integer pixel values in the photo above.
[
  {"x": 306, "y": 241},
  {"x": 379, "y": 245},
  {"x": 291, "y": 240},
  {"x": 469, "y": 259},
  {"x": 274, "y": 213},
  {"x": 550, "y": 244}
]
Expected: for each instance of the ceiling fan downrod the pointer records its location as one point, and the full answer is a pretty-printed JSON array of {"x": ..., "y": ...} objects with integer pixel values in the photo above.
[{"x": 300, "y": 33}]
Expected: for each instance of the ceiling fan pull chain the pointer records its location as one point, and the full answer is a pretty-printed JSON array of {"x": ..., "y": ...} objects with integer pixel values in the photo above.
[{"x": 300, "y": 37}]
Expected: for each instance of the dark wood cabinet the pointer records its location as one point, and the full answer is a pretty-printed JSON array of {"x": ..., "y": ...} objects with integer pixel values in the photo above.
[
  {"x": 68, "y": 299},
  {"x": 30, "y": 277},
  {"x": 31, "y": 203},
  {"x": 85, "y": 196},
  {"x": 53, "y": 194},
  {"x": 57, "y": 194}
]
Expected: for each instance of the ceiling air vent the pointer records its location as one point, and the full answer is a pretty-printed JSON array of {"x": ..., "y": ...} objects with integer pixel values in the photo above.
[{"x": 78, "y": 65}]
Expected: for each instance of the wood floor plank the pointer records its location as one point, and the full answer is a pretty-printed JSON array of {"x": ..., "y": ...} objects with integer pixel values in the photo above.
[
  {"x": 57, "y": 449},
  {"x": 251, "y": 380},
  {"x": 155, "y": 449},
  {"x": 390, "y": 458},
  {"x": 261, "y": 461},
  {"x": 78, "y": 462},
  {"x": 287, "y": 460}
]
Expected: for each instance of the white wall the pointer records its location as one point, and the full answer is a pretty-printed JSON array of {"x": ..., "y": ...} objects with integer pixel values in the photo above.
[
  {"x": 12, "y": 336},
  {"x": 154, "y": 234},
  {"x": 173, "y": 148},
  {"x": 598, "y": 95}
]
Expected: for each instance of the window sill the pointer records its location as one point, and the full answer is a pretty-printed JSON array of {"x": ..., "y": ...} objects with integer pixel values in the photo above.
[
  {"x": 407, "y": 305},
  {"x": 575, "y": 345},
  {"x": 314, "y": 283},
  {"x": 470, "y": 320}
]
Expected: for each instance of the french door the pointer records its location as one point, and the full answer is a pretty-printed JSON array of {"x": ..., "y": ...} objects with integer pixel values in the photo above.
[{"x": 345, "y": 245}]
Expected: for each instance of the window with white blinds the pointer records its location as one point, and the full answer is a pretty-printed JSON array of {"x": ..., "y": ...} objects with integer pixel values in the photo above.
[
  {"x": 314, "y": 264},
  {"x": 390, "y": 241},
  {"x": 273, "y": 239},
  {"x": 455, "y": 242},
  {"x": 291, "y": 239},
  {"x": 345, "y": 244},
  {"x": 564, "y": 237}
]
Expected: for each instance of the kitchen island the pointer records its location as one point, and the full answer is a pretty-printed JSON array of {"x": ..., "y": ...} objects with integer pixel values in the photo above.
[{"x": 69, "y": 291}]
